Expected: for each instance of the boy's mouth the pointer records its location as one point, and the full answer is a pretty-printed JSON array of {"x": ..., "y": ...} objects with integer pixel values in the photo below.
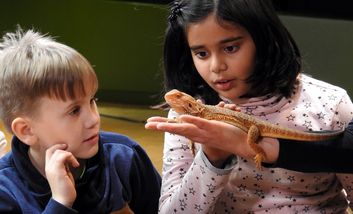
[{"x": 92, "y": 138}]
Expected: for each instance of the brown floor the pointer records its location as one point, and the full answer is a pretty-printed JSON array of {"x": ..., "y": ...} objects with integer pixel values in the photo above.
[{"x": 129, "y": 120}]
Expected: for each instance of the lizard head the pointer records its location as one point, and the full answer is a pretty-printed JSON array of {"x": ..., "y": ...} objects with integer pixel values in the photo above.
[{"x": 183, "y": 103}]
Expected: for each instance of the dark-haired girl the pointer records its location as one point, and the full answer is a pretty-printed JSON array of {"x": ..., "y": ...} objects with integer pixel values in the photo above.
[{"x": 239, "y": 52}]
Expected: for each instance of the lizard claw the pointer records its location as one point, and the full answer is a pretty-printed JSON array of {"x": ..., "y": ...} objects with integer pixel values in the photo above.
[{"x": 258, "y": 160}]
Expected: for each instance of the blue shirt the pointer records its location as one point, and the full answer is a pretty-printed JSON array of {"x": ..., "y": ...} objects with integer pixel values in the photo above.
[{"x": 120, "y": 173}]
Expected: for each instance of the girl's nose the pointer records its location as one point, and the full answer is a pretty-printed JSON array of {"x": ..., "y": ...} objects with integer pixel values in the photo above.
[{"x": 218, "y": 65}]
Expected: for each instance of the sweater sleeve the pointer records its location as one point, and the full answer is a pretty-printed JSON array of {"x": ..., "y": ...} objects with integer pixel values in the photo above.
[
  {"x": 333, "y": 155},
  {"x": 145, "y": 183},
  {"x": 7, "y": 203},
  {"x": 190, "y": 184},
  {"x": 55, "y": 207}
]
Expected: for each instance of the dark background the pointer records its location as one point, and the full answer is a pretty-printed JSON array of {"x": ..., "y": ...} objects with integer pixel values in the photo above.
[
  {"x": 124, "y": 39},
  {"x": 338, "y": 9}
]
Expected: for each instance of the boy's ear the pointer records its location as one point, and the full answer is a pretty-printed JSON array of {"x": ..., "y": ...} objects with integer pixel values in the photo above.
[{"x": 21, "y": 127}]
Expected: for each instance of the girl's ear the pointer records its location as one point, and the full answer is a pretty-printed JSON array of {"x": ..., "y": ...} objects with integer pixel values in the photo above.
[{"x": 21, "y": 127}]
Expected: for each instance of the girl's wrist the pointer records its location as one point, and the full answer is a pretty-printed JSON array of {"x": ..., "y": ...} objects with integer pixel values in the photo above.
[
  {"x": 216, "y": 157},
  {"x": 271, "y": 148},
  {"x": 269, "y": 145}
]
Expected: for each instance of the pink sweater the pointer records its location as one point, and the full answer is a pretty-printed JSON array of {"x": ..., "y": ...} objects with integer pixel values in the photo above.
[{"x": 192, "y": 185}]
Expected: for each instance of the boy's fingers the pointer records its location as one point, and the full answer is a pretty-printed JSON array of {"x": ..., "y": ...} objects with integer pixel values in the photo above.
[
  {"x": 59, "y": 153},
  {"x": 50, "y": 151},
  {"x": 72, "y": 161}
]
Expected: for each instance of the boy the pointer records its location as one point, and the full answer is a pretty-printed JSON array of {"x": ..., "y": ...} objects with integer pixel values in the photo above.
[{"x": 59, "y": 161}]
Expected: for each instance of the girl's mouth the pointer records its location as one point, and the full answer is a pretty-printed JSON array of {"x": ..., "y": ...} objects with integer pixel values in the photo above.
[{"x": 223, "y": 85}]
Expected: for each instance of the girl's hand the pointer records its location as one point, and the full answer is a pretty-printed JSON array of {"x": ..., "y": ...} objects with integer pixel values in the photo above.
[
  {"x": 228, "y": 106},
  {"x": 60, "y": 179},
  {"x": 219, "y": 139}
]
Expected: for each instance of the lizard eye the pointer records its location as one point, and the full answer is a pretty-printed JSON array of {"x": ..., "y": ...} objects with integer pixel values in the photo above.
[{"x": 190, "y": 105}]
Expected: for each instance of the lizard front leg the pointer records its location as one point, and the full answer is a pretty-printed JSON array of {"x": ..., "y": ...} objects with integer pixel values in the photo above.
[{"x": 253, "y": 136}]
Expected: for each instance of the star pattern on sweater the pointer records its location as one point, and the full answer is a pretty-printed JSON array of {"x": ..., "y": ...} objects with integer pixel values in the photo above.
[
  {"x": 182, "y": 204},
  {"x": 198, "y": 207},
  {"x": 211, "y": 188},
  {"x": 291, "y": 118},
  {"x": 307, "y": 124},
  {"x": 320, "y": 116},
  {"x": 314, "y": 108}
]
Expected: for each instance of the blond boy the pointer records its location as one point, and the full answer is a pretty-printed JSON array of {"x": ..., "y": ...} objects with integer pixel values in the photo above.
[{"x": 60, "y": 161}]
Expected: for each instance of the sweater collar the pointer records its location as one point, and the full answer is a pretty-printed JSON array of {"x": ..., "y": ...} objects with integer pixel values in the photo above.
[
  {"x": 37, "y": 183},
  {"x": 261, "y": 106}
]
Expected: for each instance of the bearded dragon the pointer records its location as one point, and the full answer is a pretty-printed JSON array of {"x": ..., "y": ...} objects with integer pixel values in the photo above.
[{"x": 183, "y": 103}]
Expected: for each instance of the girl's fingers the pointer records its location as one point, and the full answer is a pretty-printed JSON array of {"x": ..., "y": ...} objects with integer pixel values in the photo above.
[
  {"x": 231, "y": 107},
  {"x": 199, "y": 101},
  {"x": 197, "y": 121},
  {"x": 153, "y": 122},
  {"x": 157, "y": 119},
  {"x": 221, "y": 104},
  {"x": 176, "y": 128},
  {"x": 188, "y": 124}
]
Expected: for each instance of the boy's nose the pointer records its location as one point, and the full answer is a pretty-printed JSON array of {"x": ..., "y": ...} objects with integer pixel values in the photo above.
[{"x": 93, "y": 119}]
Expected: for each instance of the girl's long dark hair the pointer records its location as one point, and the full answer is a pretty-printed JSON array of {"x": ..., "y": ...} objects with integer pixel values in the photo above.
[{"x": 278, "y": 60}]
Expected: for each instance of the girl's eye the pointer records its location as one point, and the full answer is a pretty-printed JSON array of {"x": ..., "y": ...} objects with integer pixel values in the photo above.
[
  {"x": 201, "y": 54},
  {"x": 75, "y": 111},
  {"x": 231, "y": 49}
]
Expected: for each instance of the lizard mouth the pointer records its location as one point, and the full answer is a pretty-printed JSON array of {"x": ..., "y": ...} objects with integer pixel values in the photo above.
[
  {"x": 179, "y": 109},
  {"x": 183, "y": 103}
]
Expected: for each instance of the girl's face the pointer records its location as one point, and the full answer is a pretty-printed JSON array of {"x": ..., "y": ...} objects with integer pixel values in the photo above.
[{"x": 224, "y": 56}]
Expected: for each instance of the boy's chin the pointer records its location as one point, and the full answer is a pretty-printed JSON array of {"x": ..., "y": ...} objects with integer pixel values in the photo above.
[{"x": 87, "y": 155}]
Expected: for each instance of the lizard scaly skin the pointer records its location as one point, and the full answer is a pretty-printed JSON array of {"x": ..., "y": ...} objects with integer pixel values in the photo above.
[{"x": 183, "y": 103}]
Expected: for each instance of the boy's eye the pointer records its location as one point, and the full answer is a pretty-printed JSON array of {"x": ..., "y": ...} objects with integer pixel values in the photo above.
[
  {"x": 231, "y": 49},
  {"x": 75, "y": 111}
]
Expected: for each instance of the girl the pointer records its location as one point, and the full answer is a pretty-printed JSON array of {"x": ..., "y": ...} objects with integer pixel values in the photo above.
[{"x": 238, "y": 51}]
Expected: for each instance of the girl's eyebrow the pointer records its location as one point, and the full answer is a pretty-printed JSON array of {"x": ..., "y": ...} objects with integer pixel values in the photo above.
[
  {"x": 223, "y": 41},
  {"x": 232, "y": 39}
]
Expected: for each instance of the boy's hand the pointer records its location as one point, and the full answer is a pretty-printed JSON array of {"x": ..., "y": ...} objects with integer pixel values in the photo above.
[{"x": 60, "y": 179}]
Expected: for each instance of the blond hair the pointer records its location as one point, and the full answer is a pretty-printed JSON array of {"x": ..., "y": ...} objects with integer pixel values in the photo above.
[{"x": 32, "y": 66}]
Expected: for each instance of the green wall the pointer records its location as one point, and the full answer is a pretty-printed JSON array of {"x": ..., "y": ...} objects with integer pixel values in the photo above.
[
  {"x": 327, "y": 48},
  {"x": 123, "y": 40}
]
